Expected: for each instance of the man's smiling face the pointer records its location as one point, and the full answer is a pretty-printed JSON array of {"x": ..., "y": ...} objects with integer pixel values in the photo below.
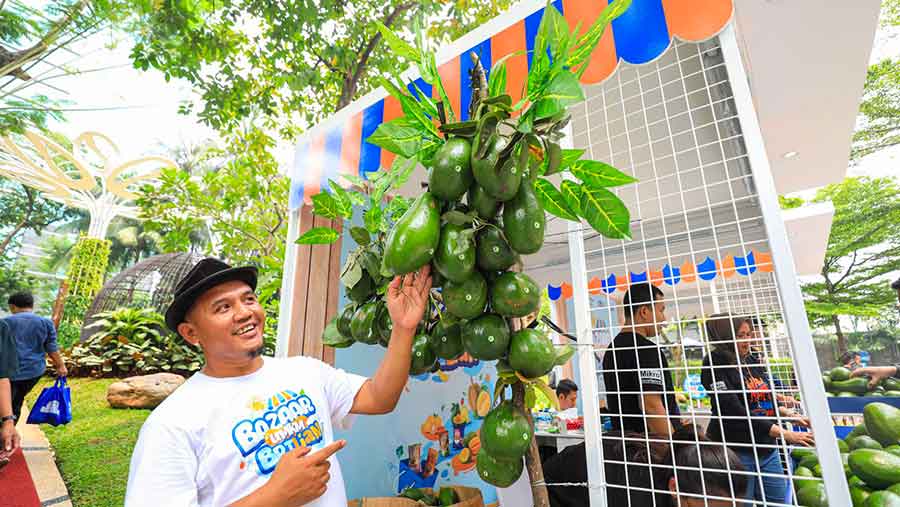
[{"x": 227, "y": 322}]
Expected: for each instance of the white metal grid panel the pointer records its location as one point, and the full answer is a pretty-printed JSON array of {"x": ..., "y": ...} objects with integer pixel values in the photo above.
[{"x": 674, "y": 125}]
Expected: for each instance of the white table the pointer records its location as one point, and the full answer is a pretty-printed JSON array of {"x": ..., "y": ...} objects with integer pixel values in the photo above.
[{"x": 559, "y": 440}]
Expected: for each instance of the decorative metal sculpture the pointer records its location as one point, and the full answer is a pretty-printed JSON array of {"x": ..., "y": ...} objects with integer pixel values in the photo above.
[
  {"x": 148, "y": 284},
  {"x": 90, "y": 176}
]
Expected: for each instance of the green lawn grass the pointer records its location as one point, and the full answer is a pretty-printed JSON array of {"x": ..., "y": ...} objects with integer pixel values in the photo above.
[{"x": 93, "y": 451}]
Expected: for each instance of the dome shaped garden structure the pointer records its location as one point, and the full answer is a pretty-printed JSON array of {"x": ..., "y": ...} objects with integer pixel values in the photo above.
[{"x": 148, "y": 284}]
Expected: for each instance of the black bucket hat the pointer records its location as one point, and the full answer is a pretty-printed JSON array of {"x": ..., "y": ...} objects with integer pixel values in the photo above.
[{"x": 205, "y": 275}]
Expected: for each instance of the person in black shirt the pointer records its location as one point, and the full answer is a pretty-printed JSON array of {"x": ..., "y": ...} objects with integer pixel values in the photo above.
[
  {"x": 639, "y": 390},
  {"x": 743, "y": 407}
]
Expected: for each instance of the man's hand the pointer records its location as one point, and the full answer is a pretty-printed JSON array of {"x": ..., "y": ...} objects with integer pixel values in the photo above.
[
  {"x": 407, "y": 297},
  {"x": 9, "y": 437},
  {"x": 877, "y": 373},
  {"x": 62, "y": 371},
  {"x": 298, "y": 479}
]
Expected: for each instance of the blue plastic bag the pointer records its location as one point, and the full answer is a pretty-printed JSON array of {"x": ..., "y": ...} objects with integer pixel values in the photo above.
[{"x": 53, "y": 406}]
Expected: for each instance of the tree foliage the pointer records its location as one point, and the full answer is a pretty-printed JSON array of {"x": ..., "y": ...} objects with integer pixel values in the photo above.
[
  {"x": 879, "y": 110},
  {"x": 293, "y": 61},
  {"x": 863, "y": 248},
  {"x": 30, "y": 34},
  {"x": 237, "y": 210},
  {"x": 24, "y": 209}
]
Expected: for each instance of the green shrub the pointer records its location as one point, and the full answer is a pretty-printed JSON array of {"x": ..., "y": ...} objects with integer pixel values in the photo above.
[{"x": 133, "y": 341}]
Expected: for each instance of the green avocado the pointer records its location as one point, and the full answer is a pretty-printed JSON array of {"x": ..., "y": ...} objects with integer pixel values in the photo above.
[
  {"x": 384, "y": 325},
  {"x": 524, "y": 221},
  {"x": 531, "y": 353},
  {"x": 863, "y": 442},
  {"x": 333, "y": 338},
  {"x": 859, "y": 495},
  {"x": 451, "y": 174},
  {"x": 492, "y": 252},
  {"x": 813, "y": 495},
  {"x": 414, "y": 238},
  {"x": 423, "y": 357},
  {"x": 839, "y": 373},
  {"x": 363, "y": 324},
  {"x": 803, "y": 477},
  {"x": 445, "y": 340},
  {"x": 466, "y": 299},
  {"x": 506, "y": 432},
  {"x": 484, "y": 205},
  {"x": 859, "y": 429},
  {"x": 486, "y": 337},
  {"x": 891, "y": 384},
  {"x": 883, "y": 422},
  {"x": 362, "y": 291},
  {"x": 854, "y": 385},
  {"x": 879, "y": 469},
  {"x": 455, "y": 255},
  {"x": 515, "y": 295},
  {"x": 883, "y": 499},
  {"x": 497, "y": 471},
  {"x": 499, "y": 178},
  {"x": 344, "y": 320}
]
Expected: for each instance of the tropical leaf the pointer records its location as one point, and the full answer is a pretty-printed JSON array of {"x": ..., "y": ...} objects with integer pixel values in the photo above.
[
  {"x": 605, "y": 212},
  {"x": 318, "y": 236},
  {"x": 398, "y": 45},
  {"x": 563, "y": 354},
  {"x": 569, "y": 157},
  {"x": 325, "y": 206},
  {"x": 587, "y": 43},
  {"x": 341, "y": 199},
  {"x": 412, "y": 108},
  {"x": 571, "y": 192},
  {"x": 552, "y": 200},
  {"x": 400, "y": 136},
  {"x": 562, "y": 91},
  {"x": 599, "y": 174},
  {"x": 360, "y": 235}
]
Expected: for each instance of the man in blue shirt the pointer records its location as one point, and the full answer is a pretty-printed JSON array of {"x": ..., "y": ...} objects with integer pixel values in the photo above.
[{"x": 35, "y": 338}]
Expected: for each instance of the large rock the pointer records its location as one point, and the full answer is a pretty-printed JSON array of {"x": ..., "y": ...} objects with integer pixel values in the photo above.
[{"x": 146, "y": 391}]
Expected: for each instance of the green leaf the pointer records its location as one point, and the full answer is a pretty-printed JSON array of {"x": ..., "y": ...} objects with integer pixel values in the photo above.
[
  {"x": 571, "y": 192},
  {"x": 398, "y": 45},
  {"x": 398, "y": 206},
  {"x": 401, "y": 170},
  {"x": 431, "y": 76},
  {"x": 318, "y": 236},
  {"x": 325, "y": 206},
  {"x": 562, "y": 91},
  {"x": 411, "y": 107},
  {"x": 354, "y": 180},
  {"x": 606, "y": 213},
  {"x": 550, "y": 394},
  {"x": 563, "y": 354},
  {"x": 341, "y": 198},
  {"x": 374, "y": 220},
  {"x": 497, "y": 81},
  {"x": 399, "y": 136},
  {"x": 457, "y": 218},
  {"x": 530, "y": 397},
  {"x": 556, "y": 28},
  {"x": 360, "y": 235},
  {"x": 586, "y": 44},
  {"x": 552, "y": 200},
  {"x": 569, "y": 157},
  {"x": 599, "y": 174}
]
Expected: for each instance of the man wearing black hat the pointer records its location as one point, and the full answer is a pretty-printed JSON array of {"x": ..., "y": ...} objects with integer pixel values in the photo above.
[{"x": 253, "y": 431}]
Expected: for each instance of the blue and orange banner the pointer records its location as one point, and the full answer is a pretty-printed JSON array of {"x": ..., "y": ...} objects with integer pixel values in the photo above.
[
  {"x": 689, "y": 272},
  {"x": 639, "y": 36}
]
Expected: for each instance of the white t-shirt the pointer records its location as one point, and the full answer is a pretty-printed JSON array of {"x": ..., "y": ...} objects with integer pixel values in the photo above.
[{"x": 216, "y": 440}]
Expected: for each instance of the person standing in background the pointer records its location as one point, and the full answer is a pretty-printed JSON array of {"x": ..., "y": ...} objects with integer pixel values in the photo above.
[
  {"x": 567, "y": 394},
  {"x": 9, "y": 362},
  {"x": 35, "y": 339}
]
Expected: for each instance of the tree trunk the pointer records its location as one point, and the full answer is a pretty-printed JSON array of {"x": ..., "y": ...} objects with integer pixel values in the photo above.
[
  {"x": 9, "y": 237},
  {"x": 841, "y": 339},
  {"x": 532, "y": 457}
]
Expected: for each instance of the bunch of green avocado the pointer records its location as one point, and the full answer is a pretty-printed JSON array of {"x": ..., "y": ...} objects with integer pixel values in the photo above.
[
  {"x": 444, "y": 498},
  {"x": 871, "y": 456},
  {"x": 478, "y": 216},
  {"x": 839, "y": 384}
]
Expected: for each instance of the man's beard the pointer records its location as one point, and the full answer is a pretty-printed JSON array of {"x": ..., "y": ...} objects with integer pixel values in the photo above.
[{"x": 253, "y": 354}]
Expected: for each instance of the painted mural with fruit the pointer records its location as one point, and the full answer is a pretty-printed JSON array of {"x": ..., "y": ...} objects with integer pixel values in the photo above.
[{"x": 491, "y": 180}]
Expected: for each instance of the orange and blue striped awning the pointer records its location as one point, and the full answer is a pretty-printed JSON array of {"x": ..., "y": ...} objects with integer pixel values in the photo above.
[{"x": 639, "y": 36}]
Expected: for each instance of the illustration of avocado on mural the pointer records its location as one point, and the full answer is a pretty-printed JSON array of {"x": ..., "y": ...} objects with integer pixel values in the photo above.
[{"x": 489, "y": 181}]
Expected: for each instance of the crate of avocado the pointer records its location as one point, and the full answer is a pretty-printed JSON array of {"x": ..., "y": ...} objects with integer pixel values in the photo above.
[
  {"x": 850, "y": 395},
  {"x": 871, "y": 457},
  {"x": 456, "y": 496}
]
